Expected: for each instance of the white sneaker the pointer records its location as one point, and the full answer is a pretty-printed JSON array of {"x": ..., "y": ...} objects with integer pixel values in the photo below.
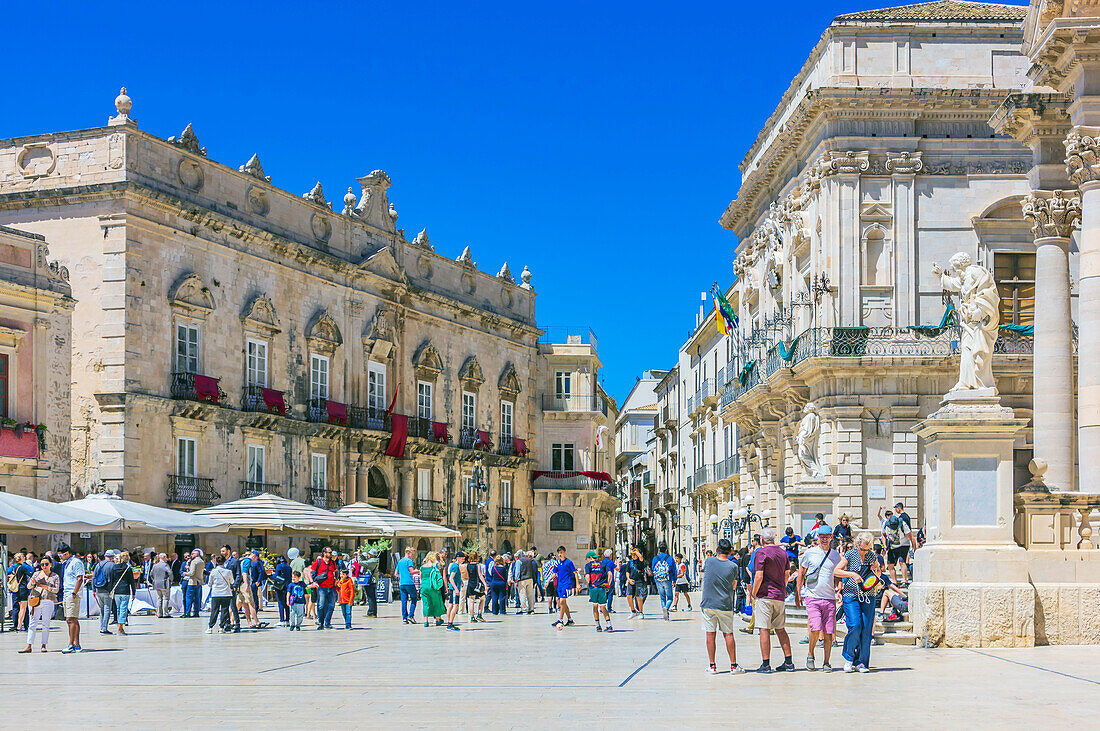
[
  {"x": 666, "y": 615},
  {"x": 862, "y": 669},
  {"x": 209, "y": 630},
  {"x": 810, "y": 664},
  {"x": 712, "y": 670},
  {"x": 849, "y": 667}
]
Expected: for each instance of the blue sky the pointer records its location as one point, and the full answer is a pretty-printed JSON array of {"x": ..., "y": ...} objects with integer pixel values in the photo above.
[{"x": 597, "y": 143}]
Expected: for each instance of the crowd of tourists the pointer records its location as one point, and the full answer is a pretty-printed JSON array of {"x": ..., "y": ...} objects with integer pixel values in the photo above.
[
  {"x": 834, "y": 574},
  {"x": 831, "y": 572}
]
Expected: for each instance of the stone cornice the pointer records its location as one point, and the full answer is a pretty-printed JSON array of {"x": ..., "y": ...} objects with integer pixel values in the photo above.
[
  {"x": 1059, "y": 50},
  {"x": 1024, "y": 115},
  {"x": 1083, "y": 155},
  {"x": 1052, "y": 214},
  {"x": 974, "y": 105}
]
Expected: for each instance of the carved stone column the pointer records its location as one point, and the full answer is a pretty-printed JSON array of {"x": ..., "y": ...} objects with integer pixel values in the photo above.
[
  {"x": 1053, "y": 216},
  {"x": 1083, "y": 166}
]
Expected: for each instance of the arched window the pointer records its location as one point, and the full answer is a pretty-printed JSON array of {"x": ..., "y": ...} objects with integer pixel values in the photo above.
[
  {"x": 506, "y": 546},
  {"x": 876, "y": 257},
  {"x": 376, "y": 485},
  {"x": 561, "y": 520}
]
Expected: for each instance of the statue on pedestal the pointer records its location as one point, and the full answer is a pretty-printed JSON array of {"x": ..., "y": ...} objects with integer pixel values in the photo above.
[
  {"x": 979, "y": 316},
  {"x": 809, "y": 432}
]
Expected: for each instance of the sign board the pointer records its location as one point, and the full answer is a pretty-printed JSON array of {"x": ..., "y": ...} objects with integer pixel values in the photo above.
[
  {"x": 876, "y": 492},
  {"x": 85, "y": 535},
  {"x": 382, "y": 589},
  {"x": 582, "y": 541}
]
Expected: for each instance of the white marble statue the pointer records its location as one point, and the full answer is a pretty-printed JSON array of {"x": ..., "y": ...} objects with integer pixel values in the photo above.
[
  {"x": 979, "y": 316},
  {"x": 809, "y": 432}
]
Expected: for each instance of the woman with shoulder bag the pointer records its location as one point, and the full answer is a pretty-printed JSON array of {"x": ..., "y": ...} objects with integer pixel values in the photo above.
[
  {"x": 860, "y": 570},
  {"x": 122, "y": 588},
  {"x": 42, "y": 595}
]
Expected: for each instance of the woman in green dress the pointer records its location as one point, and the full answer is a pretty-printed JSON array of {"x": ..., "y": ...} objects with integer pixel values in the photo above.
[{"x": 431, "y": 590}]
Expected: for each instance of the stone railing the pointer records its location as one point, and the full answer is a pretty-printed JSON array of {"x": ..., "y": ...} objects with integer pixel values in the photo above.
[{"x": 1054, "y": 520}]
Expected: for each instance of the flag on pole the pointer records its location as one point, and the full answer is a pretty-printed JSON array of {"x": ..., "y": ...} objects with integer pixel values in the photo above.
[
  {"x": 599, "y": 436},
  {"x": 728, "y": 316},
  {"x": 720, "y": 319}
]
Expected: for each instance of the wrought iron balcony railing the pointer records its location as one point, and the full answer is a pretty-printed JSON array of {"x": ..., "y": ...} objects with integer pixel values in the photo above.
[
  {"x": 325, "y": 411},
  {"x": 197, "y": 387},
  {"x": 468, "y": 514},
  {"x": 509, "y": 517},
  {"x": 430, "y": 509},
  {"x": 325, "y": 499},
  {"x": 368, "y": 417},
  {"x": 259, "y": 398},
  {"x": 187, "y": 490},
  {"x": 573, "y": 402},
  {"x": 252, "y": 489}
]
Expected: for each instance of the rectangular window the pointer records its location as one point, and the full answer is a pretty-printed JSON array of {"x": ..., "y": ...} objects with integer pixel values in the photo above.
[
  {"x": 256, "y": 462},
  {"x": 469, "y": 410},
  {"x": 423, "y": 484},
  {"x": 187, "y": 348},
  {"x": 506, "y": 409},
  {"x": 318, "y": 376},
  {"x": 4, "y": 385},
  {"x": 563, "y": 384},
  {"x": 185, "y": 457},
  {"x": 561, "y": 457},
  {"x": 376, "y": 386},
  {"x": 319, "y": 473},
  {"x": 469, "y": 492},
  {"x": 257, "y": 363},
  {"x": 1015, "y": 275},
  {"x": 506, "y": 494},
  {"x": 424, "y": 400}
]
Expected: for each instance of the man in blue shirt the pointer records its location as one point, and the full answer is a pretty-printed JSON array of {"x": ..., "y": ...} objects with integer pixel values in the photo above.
[
  {"x": 664, "y": 573},
  {"x": 609, "y": 565},
  {"x": 408, "y": 586},
  {"x": 567, "y": 580}
]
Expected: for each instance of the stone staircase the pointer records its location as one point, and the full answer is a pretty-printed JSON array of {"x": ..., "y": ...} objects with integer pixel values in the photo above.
[{"x": 893, "y": 633}]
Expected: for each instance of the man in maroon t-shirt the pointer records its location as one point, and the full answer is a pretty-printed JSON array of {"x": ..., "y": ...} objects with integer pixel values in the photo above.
[
  {"x": 769, "y": 590},
  {"x": 324, "y": 581}
]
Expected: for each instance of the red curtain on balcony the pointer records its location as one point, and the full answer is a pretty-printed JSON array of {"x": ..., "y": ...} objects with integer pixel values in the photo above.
[
  {"x": 483, "y": 441},
  {"x": 599, "y": 476},
  {"x": 439, "y": 431},
  {"x": 520, "y": 445},
  {"x": 206, "y": 388},
  {"x": 18, "y": 445},
  {"x": 398, "y": 437},
  {"x": 337, "y": 412},
  {"x": 273, "y": 400}
]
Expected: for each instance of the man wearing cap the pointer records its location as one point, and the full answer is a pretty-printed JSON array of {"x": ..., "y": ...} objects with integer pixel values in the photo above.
[
  {"x": 815, "y": 575},
  {"x": 257, "y": 577},
  {"x": 72, "y": 580},
  {"x": 369, "y": 566},
  {"x": 899, "y": 530}
]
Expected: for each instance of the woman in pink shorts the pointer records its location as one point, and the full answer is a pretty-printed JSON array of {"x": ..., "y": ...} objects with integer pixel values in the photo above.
[{"x": 817, "y": 586}]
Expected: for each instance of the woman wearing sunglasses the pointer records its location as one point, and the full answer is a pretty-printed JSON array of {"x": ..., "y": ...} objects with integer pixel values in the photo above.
[{"x": 42, "y": 595}]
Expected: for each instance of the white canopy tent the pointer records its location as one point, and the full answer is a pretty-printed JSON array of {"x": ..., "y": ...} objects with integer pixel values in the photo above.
[
  {"x": 26, "y": 514},
  {"x": 139, "y": 516},
  {"x": 397, "y": 525},
  {"x": 278, "y": 514}
]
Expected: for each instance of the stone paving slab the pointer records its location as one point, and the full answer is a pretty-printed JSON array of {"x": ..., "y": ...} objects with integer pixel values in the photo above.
[{"x": 518, "y": 672}]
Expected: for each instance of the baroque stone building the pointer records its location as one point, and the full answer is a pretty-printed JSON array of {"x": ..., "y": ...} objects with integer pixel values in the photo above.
[
  {"x": 878, "y": 163},
  {"x": 232, "y": 337}
]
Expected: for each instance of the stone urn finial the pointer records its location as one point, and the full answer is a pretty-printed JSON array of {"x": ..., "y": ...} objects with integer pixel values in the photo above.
[
  {"x": 1037, "y": 467},
  {"x": 349, "y": 202},
  {"x": 525, "y": 275},
  {"x": 123, "y": 105}
]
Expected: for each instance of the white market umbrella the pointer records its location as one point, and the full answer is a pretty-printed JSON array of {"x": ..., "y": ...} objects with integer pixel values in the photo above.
[
  {"x": 139, "y": 516},
  {"x": 397, "y": 525},
  {"x": 268, "y": 512},
  {"x": 28, "y": 514}
]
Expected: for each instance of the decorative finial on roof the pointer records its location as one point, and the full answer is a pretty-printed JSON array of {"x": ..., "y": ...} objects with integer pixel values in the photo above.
[
  {"x": 349, "y": 202},
  {"x": 123, "y": 105},
  {"x": 188, "y": 141},
  {"x": 374, "y": 207},
  {"x": 525, "y": 275},
  {"x": 393, "y": 212},
  {"x": 317, "y": 195},
  {"x": 506, "y": 274},
  {"x": 421, "y": 240},
  {"x": 255, "y": 169},
  {"x": 466, "y": 258}
]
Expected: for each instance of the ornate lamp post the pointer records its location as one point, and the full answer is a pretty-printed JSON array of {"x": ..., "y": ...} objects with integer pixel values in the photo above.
[
  {"x": 477, "y": 480},
  {"x": 739, "y": 520}
]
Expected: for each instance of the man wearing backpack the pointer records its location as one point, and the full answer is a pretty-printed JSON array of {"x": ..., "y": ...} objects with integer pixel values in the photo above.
[
  {"x": 280, "y": 580},
  {"x": 899, "y": 530},
  {"x": 101, "y": 579},
  {"x": 664, "y": 573}
]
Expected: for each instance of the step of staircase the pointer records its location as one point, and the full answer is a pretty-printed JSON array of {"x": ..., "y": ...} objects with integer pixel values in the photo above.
[{"x": 894, "y": 633}]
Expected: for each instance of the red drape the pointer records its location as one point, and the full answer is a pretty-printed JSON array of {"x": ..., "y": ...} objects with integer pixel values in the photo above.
[
  {"x": 398, "y": 437},
  {"x": 274, "y": 400},
  {"x": 21, "y": 445},
  {"x": 600, "y": 476},
  {"x": 439, "y": 431},
  {"x": 206, "y": 388},
  {"x": 337, "y": 412},
  {"x": 520, "y": 445},
  {"x": 483, "y": 439}
]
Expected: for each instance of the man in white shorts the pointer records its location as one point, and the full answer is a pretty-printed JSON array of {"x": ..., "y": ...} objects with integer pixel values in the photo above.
[{"x": 716, "y": 604}]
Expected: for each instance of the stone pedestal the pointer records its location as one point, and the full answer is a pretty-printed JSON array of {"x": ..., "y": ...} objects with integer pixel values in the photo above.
[
  {"x": 970, "y": 584},
  {"x": 808, "y": 496}
]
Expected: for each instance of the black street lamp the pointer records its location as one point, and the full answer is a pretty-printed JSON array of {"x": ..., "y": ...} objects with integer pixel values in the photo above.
[
  {"x": 477, "y": 481},
  {"x": 739, "y": 519}
]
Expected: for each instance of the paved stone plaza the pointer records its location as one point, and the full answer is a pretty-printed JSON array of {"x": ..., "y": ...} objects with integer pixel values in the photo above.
[{"x": 518, "y": 672}]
